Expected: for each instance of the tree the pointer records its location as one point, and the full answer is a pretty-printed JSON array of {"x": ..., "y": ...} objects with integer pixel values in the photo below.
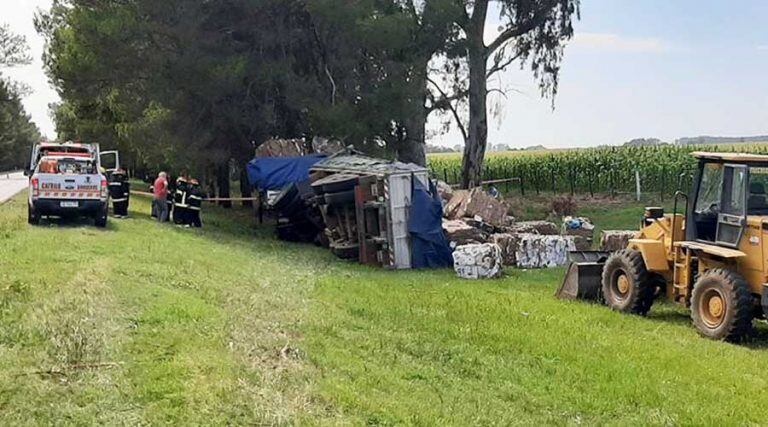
[
  {"x": 532, "y": 32},
  {"x": 210, "y": 79},
  {"x": 13, "y": 48},
  {"x": 17, "y": 132}
]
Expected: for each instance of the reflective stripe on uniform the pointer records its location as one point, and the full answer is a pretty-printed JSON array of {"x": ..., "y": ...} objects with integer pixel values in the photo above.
[
  {"x": 119, "y": 200},
  {"x": 180, "y": 205},
  {"x": 194, "y": 208},
  {"x": 196, "y": 197}
]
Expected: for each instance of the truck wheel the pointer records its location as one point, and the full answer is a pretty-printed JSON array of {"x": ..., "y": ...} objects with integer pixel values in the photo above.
[
  {"x": 627, "y": 285},
  {"x": 101, "y": 218},
  {"x": 721, "y": 305},
  {"x": 32, "y": 217}
]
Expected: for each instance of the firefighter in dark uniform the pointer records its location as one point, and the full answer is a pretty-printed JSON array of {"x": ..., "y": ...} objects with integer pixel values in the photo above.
[
  {"x": 195, "y": 201},
  {"x": 119, "y": 192},
  {"x": 180, "y": 203},
  {"x": 169, "y": 200}
]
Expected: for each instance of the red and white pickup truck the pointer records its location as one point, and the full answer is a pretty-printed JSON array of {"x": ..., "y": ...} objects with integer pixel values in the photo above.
[{"x": 68, "y": 183}]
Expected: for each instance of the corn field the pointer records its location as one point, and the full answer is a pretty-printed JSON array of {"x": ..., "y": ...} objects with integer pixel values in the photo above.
[{"x": 590, "y": 171}]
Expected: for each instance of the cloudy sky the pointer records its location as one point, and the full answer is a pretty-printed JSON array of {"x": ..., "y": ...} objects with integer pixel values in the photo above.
[
  {"x": 650, "y": 68},
  {"x": 19, "y": 14}
]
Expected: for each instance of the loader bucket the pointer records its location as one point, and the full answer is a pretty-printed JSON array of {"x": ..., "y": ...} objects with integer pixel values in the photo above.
[{"x": 583, "y": 280}]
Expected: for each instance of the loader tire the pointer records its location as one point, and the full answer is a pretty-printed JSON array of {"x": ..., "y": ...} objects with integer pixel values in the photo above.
[
  {"x": 722, "y": 306},
  {"x": 627, "y": 285}
]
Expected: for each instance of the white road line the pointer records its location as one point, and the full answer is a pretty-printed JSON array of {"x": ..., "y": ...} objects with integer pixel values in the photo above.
[{"x": 12, "y": 184}]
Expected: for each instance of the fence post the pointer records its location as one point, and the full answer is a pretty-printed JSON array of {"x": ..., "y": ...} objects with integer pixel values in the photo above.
[
  {"x": 445, "y": 175},
  {"x": 637, "y": 184}
]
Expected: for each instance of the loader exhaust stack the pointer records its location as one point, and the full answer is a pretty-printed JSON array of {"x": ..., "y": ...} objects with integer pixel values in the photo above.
[{"x": 584, "y": 277}]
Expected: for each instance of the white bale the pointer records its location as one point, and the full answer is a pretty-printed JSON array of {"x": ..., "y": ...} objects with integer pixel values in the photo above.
[
  {"x": 539, "y": 251},
  {"x": 478, "y": 261}
]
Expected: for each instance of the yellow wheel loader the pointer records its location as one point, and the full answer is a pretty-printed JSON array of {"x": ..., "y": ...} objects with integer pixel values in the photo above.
[{"x": 713, "y": 258}]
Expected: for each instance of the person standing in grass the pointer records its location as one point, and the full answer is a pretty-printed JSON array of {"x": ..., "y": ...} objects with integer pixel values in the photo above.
[{"x": 160, "y": 191}]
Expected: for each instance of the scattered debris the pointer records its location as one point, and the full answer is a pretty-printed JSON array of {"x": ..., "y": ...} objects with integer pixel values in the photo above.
[
  {"x": 582, "y": 231},
  {"x": 460, "y": 233},
  {"x": 545, "y": 228},
  {"x": 277, "y": 147},
  {"x": 478, "y": 222},
  {"x": 482, "y": 206},
  {"x": 508, "y": 244},
  {"x": 456, "y": 207},
  {"x": 541, "y": 251},
  {"x": 445, "y": 191},
  {"x": 474, "y": 217},
  {"x": 478, "y": 261},
  {"x": 479, "y": 205},
  {"x": 615, "y": 240},
  {"x": 326, "y": 146},
  {"x": 283, "y": 148}
]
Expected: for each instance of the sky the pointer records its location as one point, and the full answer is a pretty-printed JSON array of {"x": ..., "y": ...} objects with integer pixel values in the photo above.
[
  {"x": 650, "y": 68},
  {"x": 19, "y": 14}
]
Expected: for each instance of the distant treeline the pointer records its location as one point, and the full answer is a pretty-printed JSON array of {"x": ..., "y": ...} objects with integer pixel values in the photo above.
[{"x": 721, "y": 140}]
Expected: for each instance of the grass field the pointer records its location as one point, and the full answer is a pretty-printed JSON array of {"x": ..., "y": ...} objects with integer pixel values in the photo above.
[{"x": 144, "y": 323}]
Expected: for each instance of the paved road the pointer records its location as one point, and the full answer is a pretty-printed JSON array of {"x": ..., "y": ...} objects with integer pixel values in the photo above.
[{"x": 11, "y": 184}]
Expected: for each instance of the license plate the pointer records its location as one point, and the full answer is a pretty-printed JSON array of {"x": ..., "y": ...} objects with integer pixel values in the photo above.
[{"x": 69, "y": 204}]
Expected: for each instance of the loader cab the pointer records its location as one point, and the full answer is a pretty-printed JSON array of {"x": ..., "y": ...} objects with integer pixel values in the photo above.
[{"x": 728, "y": 188}]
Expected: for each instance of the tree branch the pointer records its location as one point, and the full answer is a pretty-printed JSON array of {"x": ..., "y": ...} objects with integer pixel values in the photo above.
[
  {"x": 452, "y": 108},
  {"x": 500, "y": 66},
  {"x": 539, "y": 17},
  {"x": 496, "y": 90},
  {"x": 444, "y": 101}
]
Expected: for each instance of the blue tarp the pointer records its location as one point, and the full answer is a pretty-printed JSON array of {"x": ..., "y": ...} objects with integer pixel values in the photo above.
[
  {"x": 274, "y": 173},
  {"x": 429, "y": 247}
]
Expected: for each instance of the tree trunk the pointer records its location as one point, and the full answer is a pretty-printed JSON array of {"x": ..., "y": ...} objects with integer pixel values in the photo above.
[
  {"x": 477, "y": 131},
  {"x": 245, "y": 185},
  {"x": 222, "y": 181},
  {"x": 413, "y": 148}
]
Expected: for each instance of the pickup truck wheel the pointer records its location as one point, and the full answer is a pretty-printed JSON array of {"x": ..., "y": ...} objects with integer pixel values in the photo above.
[
  {"x": 101, "y": 219},
  {"x": 32, "y": 217}
]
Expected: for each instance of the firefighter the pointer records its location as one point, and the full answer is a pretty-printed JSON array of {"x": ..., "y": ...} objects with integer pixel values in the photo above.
[
  {"x": 180, "y": 203},
  {"x": 119, "y": 192},
  {"x": 195, "y": 201},
  {"x": 170, "y": 198}
]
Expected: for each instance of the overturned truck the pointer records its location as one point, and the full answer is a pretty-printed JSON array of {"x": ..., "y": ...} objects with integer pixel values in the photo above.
[{"x": 376, "y": 211}]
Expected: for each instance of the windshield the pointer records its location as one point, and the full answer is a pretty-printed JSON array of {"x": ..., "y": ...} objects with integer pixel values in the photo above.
[
  {"x": 710, "y": 189},
  {"x": 66, "y": 166},
  {"x": 757, "y": 201}
]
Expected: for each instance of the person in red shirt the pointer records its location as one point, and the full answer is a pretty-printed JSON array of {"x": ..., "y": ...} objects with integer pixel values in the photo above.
[{"x": 160, "y": 191}]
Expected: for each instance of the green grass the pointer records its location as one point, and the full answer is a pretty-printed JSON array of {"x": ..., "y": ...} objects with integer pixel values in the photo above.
[{"x": 144, "y": 323}]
